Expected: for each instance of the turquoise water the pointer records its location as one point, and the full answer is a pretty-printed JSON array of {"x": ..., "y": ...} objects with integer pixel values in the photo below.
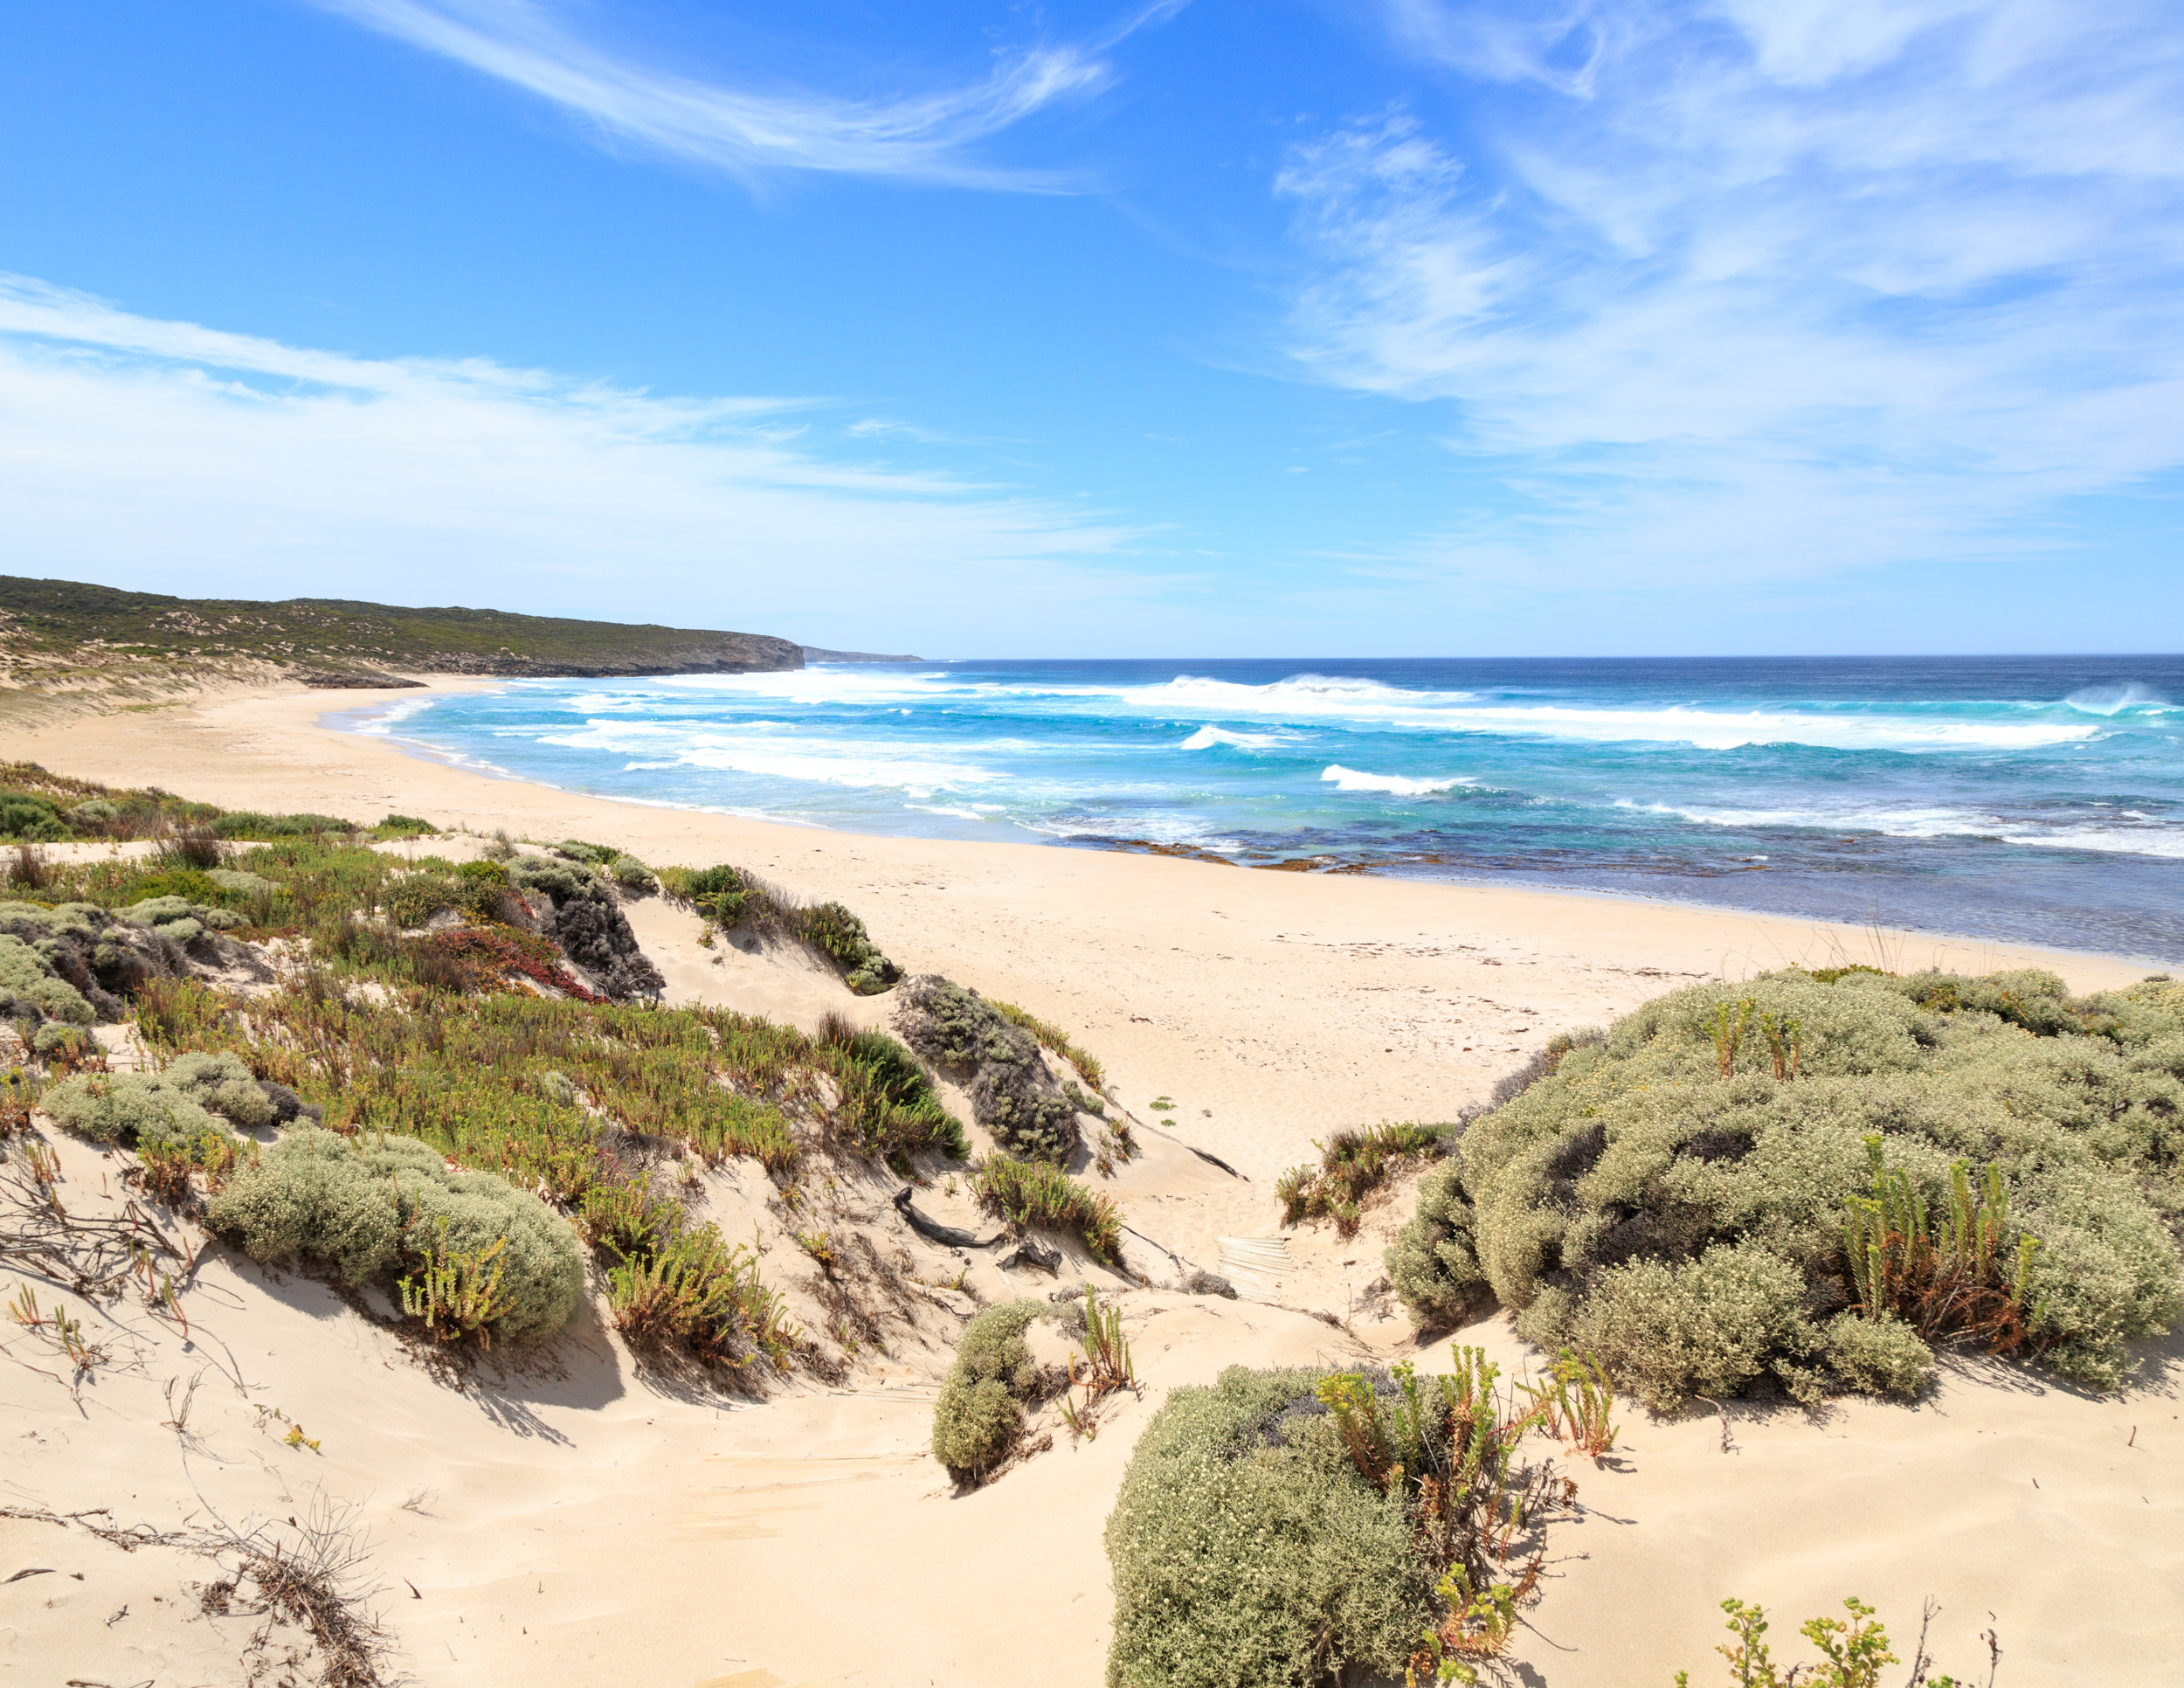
[{"x": 2030, "y": 799}]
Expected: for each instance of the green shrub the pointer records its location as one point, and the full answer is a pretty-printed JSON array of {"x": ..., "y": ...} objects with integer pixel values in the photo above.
[
  {"x": 1706, "y": 1327},
  {"x": 1245, "y": 1554},
  {"x": 1732, "y": 1121},
  {"x": 222, "y": 1085},
  {"x": 127, "y": 1108},
  {"x": 1431, "y": 1262},
  {"x": 404, "y": 825},
  {"x": 248, "y": 824},
  {"x": 1879, "y": 1356},
  {"x": 27, "y": 977},
  {"x": 980, "y": 1408},
  {"x": 375, "y": 1210},
  {"x": 632, "y": 875}
]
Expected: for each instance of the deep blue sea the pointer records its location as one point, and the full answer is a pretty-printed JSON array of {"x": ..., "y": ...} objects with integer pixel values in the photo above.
[{"x": 2037, "y": 799}]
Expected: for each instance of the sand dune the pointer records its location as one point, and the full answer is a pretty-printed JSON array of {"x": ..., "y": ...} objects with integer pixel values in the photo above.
[{"x": 583, "y": 1520}]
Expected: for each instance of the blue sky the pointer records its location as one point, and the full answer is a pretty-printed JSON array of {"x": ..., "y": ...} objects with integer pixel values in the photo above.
[{"x": 1191, "y": 329}]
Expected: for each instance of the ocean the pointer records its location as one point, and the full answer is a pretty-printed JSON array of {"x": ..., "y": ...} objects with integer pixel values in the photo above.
[{"x": 2027, "y": 799}]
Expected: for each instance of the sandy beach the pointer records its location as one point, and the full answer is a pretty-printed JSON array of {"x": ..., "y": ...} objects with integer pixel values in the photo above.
[{"x": 594, "y": 1525}]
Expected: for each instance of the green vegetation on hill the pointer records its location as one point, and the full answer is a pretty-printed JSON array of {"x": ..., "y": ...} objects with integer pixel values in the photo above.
[
  {"x": 1815, "y": 1179},
  {"x": 63, "y": 630}
]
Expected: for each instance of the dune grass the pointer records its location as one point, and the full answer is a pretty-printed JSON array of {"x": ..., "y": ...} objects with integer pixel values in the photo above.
[
  {"x": 1037, "y": 1195},
  {"x": 1353, "y": 1165},
  {"x": 1053, "y": 1038}
]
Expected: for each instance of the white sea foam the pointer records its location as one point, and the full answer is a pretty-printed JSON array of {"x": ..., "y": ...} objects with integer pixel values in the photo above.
[
  {"x": 873, "y": 763},
  {"x": 2167, "y": 842},
  {"x": 1206, "y": 738},
  {"x": 1893, "y": 823},
  {"x": 384, "y": 718},
  {"x": 2117, "y": 696},
  {"x": 1369, "y": 703},
  {"x": 1350, "y": 779}
]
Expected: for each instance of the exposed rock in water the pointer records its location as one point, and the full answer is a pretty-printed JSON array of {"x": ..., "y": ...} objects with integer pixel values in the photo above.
[{"x": 1013, "y": 1095}]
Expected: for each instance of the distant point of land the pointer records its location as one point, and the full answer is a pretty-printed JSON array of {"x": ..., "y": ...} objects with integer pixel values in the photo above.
[
  {"x": 813, "y": 654},
  {"x": 65, "y": 643}
]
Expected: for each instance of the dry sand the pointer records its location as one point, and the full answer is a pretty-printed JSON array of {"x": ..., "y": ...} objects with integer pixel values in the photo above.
[{"x": 586, "y": 1523}]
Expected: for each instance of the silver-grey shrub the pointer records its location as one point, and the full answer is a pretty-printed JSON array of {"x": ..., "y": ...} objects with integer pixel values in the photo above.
[
  {"x": 980, "y": 1408},
  {"x": 127, "y": 1108},
  {"x": 371, "y": 1209},
  {"x": 222, "y": 1085},
  {"x": 1245, "y": 1554},
  {"x": 1689, "y": 1225},
  {"x": 27, "y": 976}
]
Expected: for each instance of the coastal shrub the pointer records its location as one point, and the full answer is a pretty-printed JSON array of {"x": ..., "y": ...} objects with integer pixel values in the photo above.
[
  {"x": 128, "y": 1109},
  {"x": 220, "y": 1083},
  {"x": 377, "y": 1209},
  {"x": 1704, "y": 1327},
  {"x": 1432, "y": 1262},
  {"x": 248, "y": 825},
  {"x": 1878, "y": 1356},
  {"x": 1037, "y": 1195},
  {"x": 404, "y": 825},
  {"x": 731, "y": 897},
  {"x": 885, "y": 1102},
  {"x": 1013, "y": 1095},
  {"x": 982, "y": 1399},
  {"x": 632, "y": 875},
  {"x": 35, "y": 820},
  {"x": 1679, "y": 1194},
  {"x": 1299, "y": 1528},
  {"x": 28, "y": 983},
  {"x": 1353, "y": 1165}
]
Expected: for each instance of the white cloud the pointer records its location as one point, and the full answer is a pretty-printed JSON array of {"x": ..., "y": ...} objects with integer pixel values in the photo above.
[
  {"x": 1768, "y": 283},
  {"x": 165, "y": 456},
  {"x": 925, "y": 136}
]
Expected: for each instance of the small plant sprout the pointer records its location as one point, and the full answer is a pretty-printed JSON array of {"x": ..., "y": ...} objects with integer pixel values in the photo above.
[
  {"x": 1853, "y": 1653},
  {"x": 1161, "y": 1104},
  {"x": 1577, "y": 1401},
  {"x": 1785, "y": 1041},
  {"x": 45, "y": 1168},
  {"x": 458, "y": 1295},
  {"x": 1102, "y": 1369},
  {"x": 821, "y": 1248},
  {"x": 1953, "y": 1277},
  {"x": 1729, "y": 1027}
]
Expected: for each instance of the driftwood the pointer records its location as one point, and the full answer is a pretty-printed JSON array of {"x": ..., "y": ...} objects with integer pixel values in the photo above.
[{"x": 946, "y": 1236}]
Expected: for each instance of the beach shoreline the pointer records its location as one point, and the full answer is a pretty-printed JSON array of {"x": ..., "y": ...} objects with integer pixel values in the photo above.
[
  {"x": 1239, "y": 1014},
  {"x": 1271, "y": 1005}
]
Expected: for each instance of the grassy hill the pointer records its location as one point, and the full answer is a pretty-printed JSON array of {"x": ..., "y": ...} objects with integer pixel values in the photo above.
[{"x": 61, "y": 639}]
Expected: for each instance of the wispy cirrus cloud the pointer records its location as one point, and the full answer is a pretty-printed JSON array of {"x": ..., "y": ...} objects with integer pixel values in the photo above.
[
  {"x": 750, "y": 132},
  {"x": 169, "y": 456},
  {"x": 1767, "y": 284}
]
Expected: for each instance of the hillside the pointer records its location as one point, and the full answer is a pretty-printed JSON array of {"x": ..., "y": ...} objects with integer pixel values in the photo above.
[{"x": 64, "y": 640}]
